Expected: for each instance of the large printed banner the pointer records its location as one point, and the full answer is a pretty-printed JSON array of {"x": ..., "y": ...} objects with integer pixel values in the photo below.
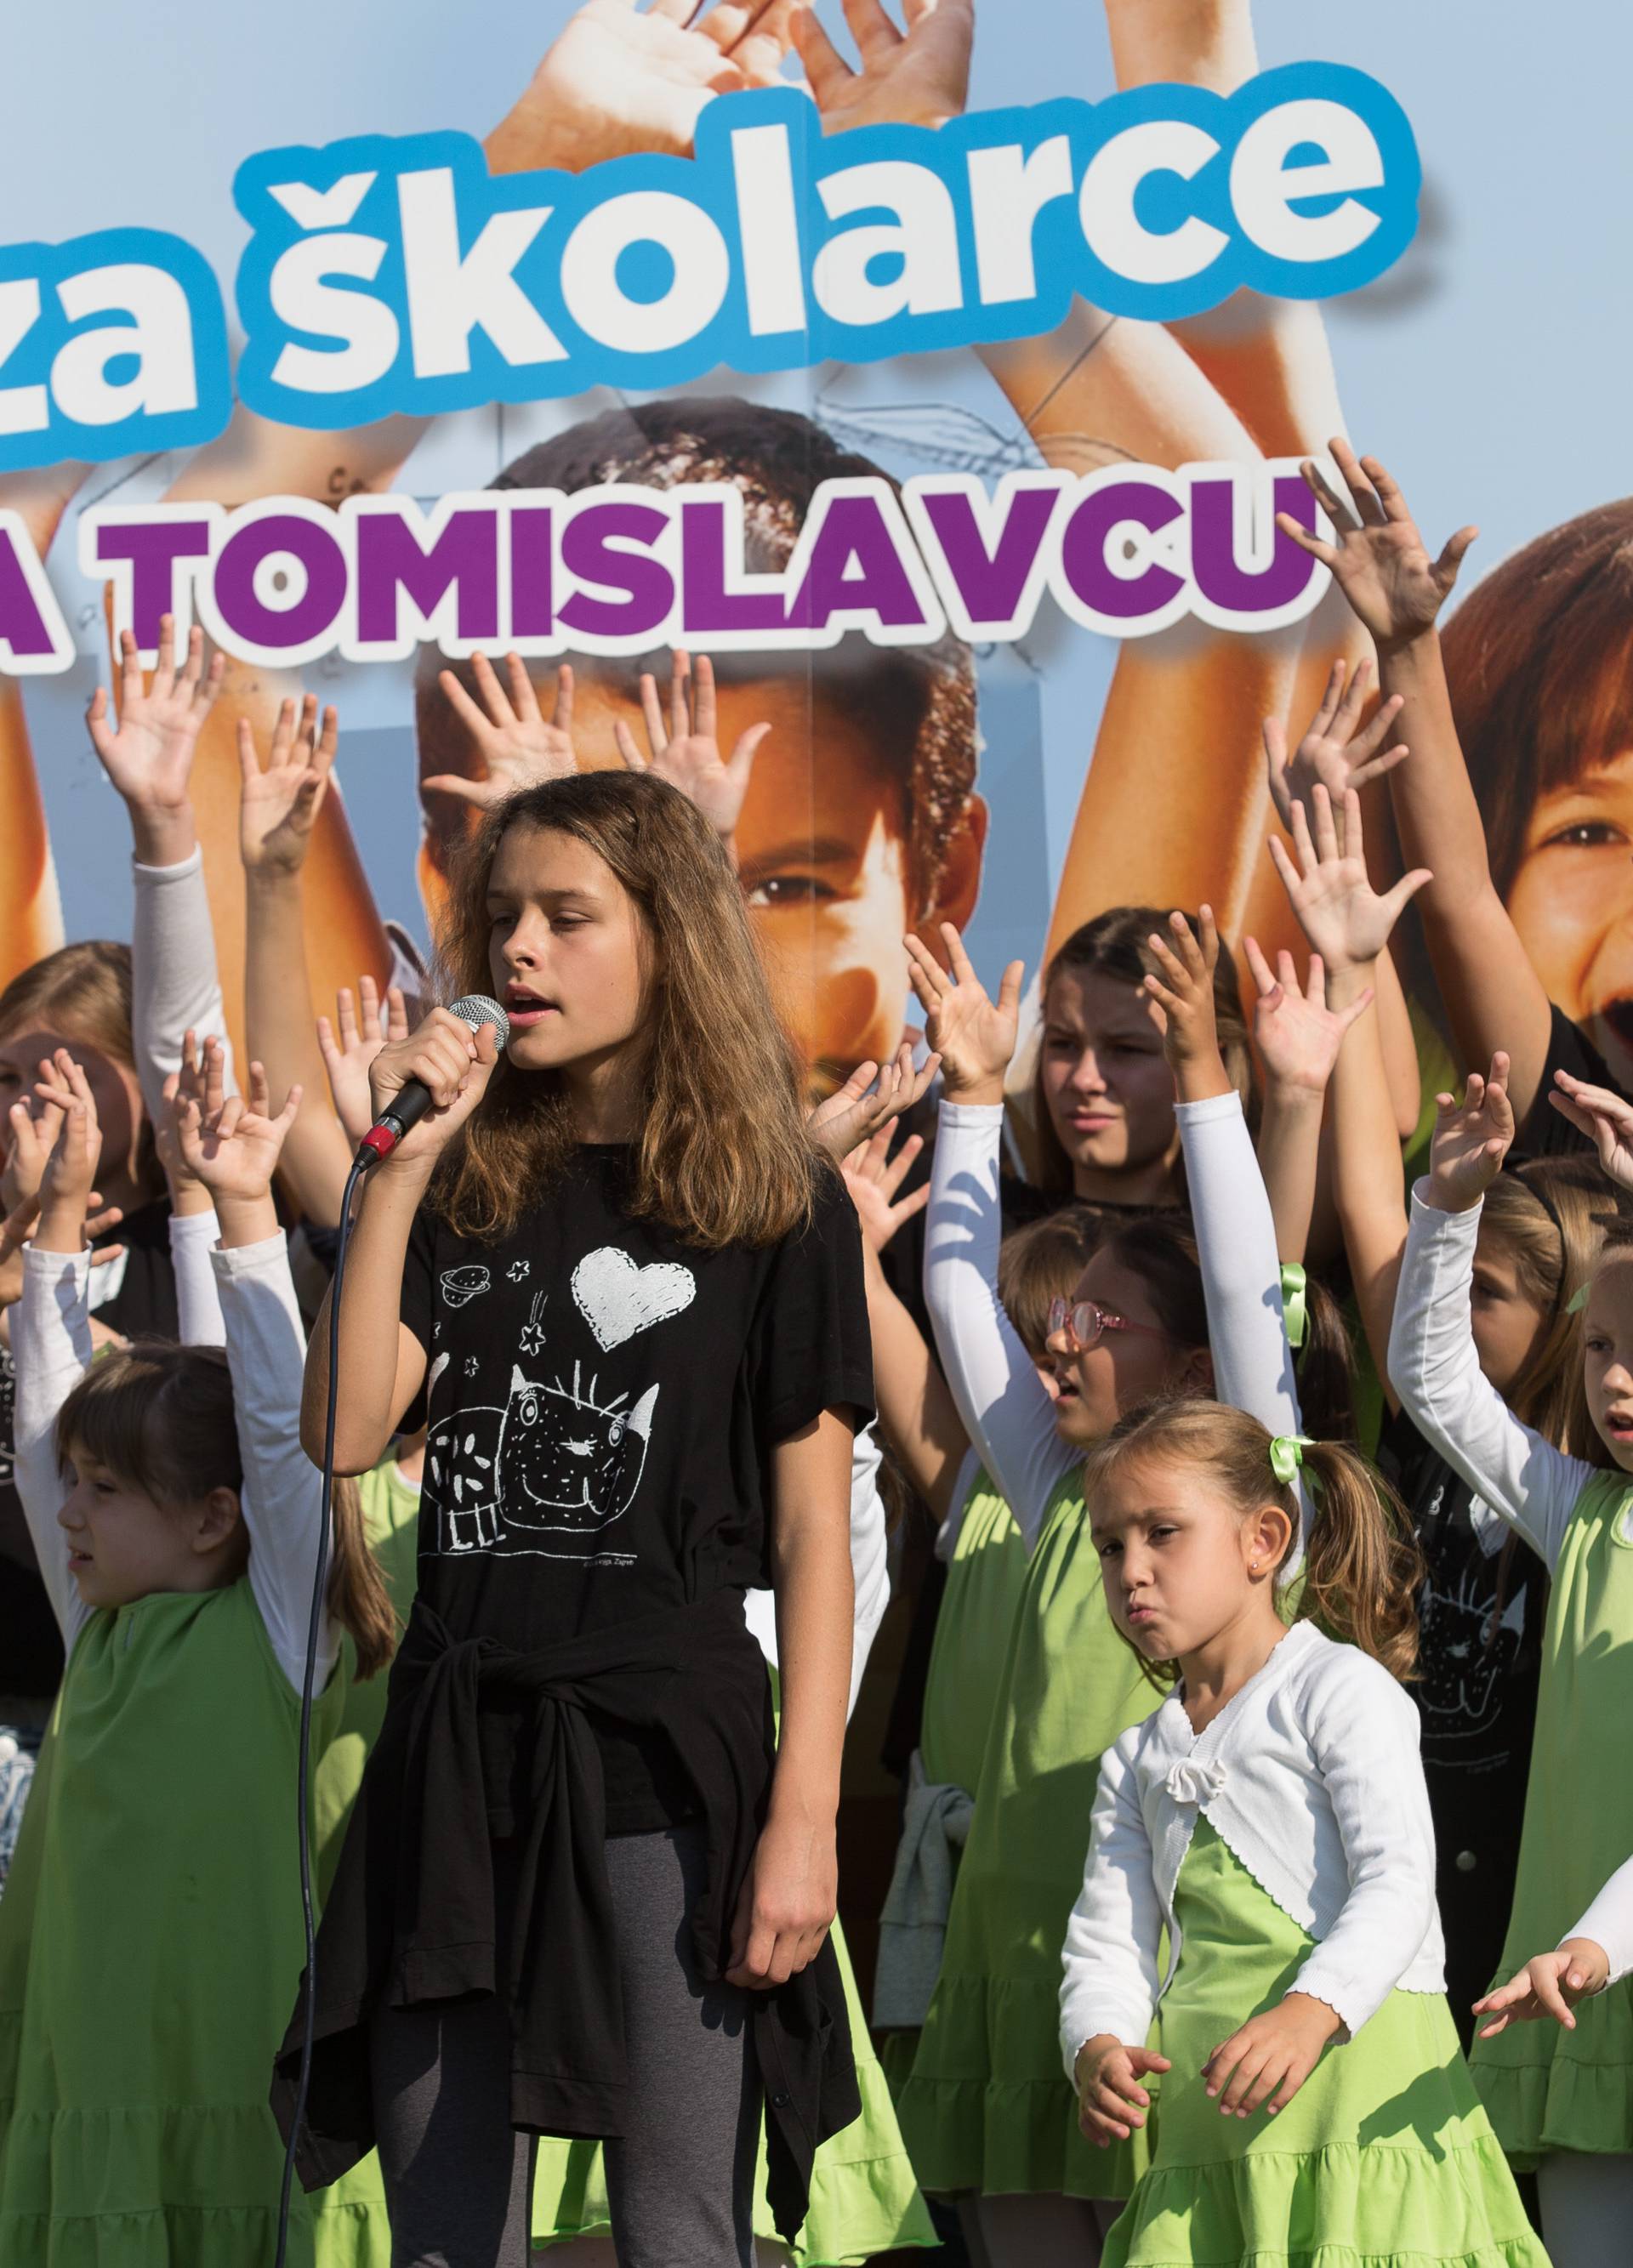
[{"x": 947, "y": 401}]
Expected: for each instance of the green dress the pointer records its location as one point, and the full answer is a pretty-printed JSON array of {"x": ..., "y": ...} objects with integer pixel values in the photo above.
[
  {"x": 863, "y": 2199},
  {"x": 985, "y": 1578},
  {"x": 151, "y": 1942},
  {"x": 988, "y": 2107},
  {"x": 1545, "y": 2087},
  {"x": 1383, "y": 2158}
]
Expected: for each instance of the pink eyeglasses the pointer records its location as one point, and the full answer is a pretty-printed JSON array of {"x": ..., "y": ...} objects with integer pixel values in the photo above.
[{"x": 1086, "y": 1324}]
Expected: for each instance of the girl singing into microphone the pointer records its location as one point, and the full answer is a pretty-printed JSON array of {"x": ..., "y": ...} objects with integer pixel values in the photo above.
[{"x": 581, "y": 1893}]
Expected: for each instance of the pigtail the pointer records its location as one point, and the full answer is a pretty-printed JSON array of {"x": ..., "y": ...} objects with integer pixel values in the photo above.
[
  {"x": 1362, "y": 1569},
  {"x": 357, "y": 1596}
]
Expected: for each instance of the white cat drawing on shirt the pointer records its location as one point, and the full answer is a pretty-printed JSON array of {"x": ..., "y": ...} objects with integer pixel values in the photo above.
[{"x": 557, "y": 1464}]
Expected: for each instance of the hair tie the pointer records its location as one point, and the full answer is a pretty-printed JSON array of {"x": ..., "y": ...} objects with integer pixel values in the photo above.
[
  {"x": 1287, "y": 1456},
  {"x": 1295, "y": 1309},
  {"x": 1578, "y": 1299}
]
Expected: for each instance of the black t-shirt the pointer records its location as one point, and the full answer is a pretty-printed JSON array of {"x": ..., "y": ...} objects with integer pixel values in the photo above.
[
  {"x": 1481, "y": 1614},
  {"x": 145, "y": 1306},
  {"x": 603, "y": 1401},
  {"x": 1546, "y": 1132}
]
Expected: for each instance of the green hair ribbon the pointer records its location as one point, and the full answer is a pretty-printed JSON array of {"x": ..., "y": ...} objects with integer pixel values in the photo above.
[
  {"x": 1287, "y": 1455},
  {"x": 1295, "y": 1309},
  {"x": 1578, "y": 1299}
]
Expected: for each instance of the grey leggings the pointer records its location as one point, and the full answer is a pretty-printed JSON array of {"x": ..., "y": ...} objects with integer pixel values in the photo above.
[{"x": 681, "y": 2180}]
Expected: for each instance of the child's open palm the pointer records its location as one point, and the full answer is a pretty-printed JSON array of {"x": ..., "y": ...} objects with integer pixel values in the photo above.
[
  {"x": 683, "y": 748},
  {"x": 1336, "y": 752},
  {"x": 873, "y": 1097},
  {"x": 1376, "y": 556},
  {"x": 1184, "y": 992},
  {"x": 231, "y": 1143},
  {"x": 873, "y": 1177},
  {"x": 974, "y": 1034},
  {"x": 919, "y": 76},
  {"x": 519, "y": 746},
  {"x": 278, "y": 808},
  {"x": 148, "y": 754},
  {"x": 1606, "y": 1118},
  {"x": 1345, "y": 920},
  {"x": 67, "y": 1188},
  {"x": 1471, "y": 1139},
  {"x": 1295, "y": 1031},
  {"x": 349, "y": 1045}
]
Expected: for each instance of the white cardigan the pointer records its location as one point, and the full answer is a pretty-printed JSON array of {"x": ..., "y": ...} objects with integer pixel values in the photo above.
[
  {"x": 1608, "y": 1921},
  {"x": 1310, "y": 1776}
]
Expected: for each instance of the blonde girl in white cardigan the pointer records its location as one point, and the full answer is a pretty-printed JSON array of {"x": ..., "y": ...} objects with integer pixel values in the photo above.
[{"x": 1271, "y": 1818}]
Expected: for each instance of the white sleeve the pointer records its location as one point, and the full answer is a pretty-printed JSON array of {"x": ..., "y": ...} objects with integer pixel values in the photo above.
[
  {"x": 1241, "y": 1272},
  {"x": 1608, "y": 1921},
  {"x": 1364, "y": 1737},
  {"x": 198, "y": 1304},
  {"x": 1006, "y": 1410},
  {"x": 1111, "y": 1982},
  {"x": 175, "y": 986},
  {"x": 870, "y": 1554},
  {"x": 283, "y": 1489},
  {"x": 50, "y": 1354},
  {"x": 1435, "y": 1369},
  {"x": 952, "y": 1528}
]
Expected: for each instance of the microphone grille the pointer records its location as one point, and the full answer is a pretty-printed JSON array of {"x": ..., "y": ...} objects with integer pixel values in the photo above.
[{"x": 476, "y": 1009}]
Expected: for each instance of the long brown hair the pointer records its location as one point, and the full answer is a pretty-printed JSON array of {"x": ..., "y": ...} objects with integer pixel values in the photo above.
[
  {"x": 1363, "y": 1568},
  {"x": 1113, "y": 945},
  {"x": 1548, "y": 1216},
  {"x": 161, "y": 1416},
  {"x": 722, "y": 1156}
]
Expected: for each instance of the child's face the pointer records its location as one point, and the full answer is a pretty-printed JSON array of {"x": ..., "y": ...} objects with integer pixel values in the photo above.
[
  {"x": 821, "y": 849},
  {"x": 124, "y": 1545},
  {"x": 1098, "y": 1383},
  {"x": 1106, "y": 1084},
  {"x": 564, "y": 952},
  {"x": 1572, "y": 902},
  {"x": 1607, "y": 1355},
  {"x": 1507, "y": 1326},
  {"x": 1179, "y": 1565}
]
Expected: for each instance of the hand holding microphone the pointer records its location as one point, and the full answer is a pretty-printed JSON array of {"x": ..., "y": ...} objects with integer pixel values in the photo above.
[{"x": 441, "y": 1069}]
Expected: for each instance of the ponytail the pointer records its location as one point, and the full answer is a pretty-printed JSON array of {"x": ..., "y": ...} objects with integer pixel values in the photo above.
[
  {"x": 1361, "y": 1569},
  {"x": 357, "y": 1596}
]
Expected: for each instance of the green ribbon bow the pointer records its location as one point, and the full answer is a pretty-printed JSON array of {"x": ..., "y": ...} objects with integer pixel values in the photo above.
[
  {"x": 1287, "y": 1454},
  {"x": 1295, "y": 1309}
]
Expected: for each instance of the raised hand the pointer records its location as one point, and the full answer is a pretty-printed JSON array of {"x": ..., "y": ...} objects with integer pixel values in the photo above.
[
  {"x": 231, "y": 1143},
  {"x": 917, "y": 75},
  {"x": 1111, "y": 2102},
  {"x": 1343, "y": 918},
  {"x": 1605, "y": 1117},
  {"x": 188, "y": 1193},
  {"x": 873, "y": 1177},
  {"x": 148, "y": 753},
  {"x": 66, "y": 1190},
  {"x": 1333, "y": 751},
  {"x": 874, "y": 1096},
  {"x": 973, "y": 1035},
  {"x": 1377, "y": 557},
  {"x": 1471, "y": 1139},
  {"x": 1550, "y": 1985},
  {"x": 1184, "y": 991},
  {"x": 518, "y": 747},
  {"x": 278, "y": 808},
  {"x": 621, "y": 79},
  {"x": 35, "y": 1126},
  {"x": 683, "y": 748},
  {"x": 362, "y": 1034},
  {"x": 1296, "y": 1032}
]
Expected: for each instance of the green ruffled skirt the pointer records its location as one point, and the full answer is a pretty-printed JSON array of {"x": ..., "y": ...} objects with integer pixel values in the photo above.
[{"x": 1383, "y": 2158}]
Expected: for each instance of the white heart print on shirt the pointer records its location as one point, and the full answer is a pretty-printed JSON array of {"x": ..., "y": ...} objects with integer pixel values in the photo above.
[{"x": 618, "y": 1299}]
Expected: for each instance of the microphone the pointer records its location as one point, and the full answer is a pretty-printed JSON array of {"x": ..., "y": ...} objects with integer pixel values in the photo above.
[{"x": 412, "y": 1099}]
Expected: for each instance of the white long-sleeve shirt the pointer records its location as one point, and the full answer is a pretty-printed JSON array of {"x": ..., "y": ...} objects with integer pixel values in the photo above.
[
  {"x": 174, "y": 984},
  {"x": 1310, "y": 1776},
  {"x": 870, "y": 1567},
  {"x": 1435, "y": 1369},
  {"x": 1608, "y": 1921},
  {"x": 282, "y": 1494},
  {"x": 1005, "y": 1407}
]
